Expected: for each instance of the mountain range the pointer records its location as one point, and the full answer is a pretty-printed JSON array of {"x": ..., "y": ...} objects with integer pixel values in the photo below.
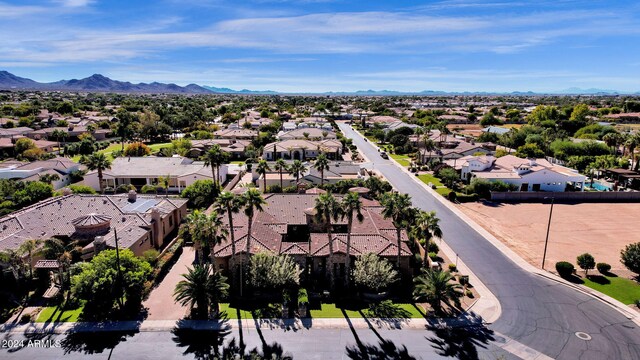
[{"x": 100, "y": 83}]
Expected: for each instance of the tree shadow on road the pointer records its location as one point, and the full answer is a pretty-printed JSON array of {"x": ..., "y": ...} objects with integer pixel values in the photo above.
[
  {"x": 94, "y": 342},
  {"x": 460, "y": 342},
  {"x": 203, "y": 343},
  {"x": 385, "y": 349}
]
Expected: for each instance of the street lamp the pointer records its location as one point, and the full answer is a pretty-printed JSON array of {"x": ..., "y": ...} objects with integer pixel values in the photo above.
[{"x": 546, "y": 241}]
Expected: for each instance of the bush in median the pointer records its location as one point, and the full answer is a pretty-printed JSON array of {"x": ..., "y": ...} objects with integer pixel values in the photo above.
[{"x": 564, "y": 268}]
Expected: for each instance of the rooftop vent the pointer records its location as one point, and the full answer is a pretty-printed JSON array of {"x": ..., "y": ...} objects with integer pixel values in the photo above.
[{"x": 133, "y": 196}]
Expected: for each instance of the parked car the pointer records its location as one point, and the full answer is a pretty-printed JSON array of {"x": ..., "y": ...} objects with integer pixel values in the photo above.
[{"x": 384, "y": 155}]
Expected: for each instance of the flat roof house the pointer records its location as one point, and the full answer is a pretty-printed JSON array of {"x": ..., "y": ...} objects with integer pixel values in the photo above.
[{"x": 63, "y": 167}]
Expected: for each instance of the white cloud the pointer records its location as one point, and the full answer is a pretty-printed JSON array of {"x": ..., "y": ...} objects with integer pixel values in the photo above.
[{"x": 74, "y": 3}]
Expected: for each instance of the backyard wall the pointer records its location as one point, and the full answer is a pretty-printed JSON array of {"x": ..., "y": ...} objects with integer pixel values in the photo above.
[{"x": 574, "y": 197}]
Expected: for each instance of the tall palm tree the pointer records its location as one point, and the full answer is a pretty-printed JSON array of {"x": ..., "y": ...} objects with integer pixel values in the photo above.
[
  {"x": 98, "y": 161},
  {"x": 262, "y": 169},
  {"x": 281, "y": 166},
  {"x": 630, "y": 143},
  {"x": 65, "y": 253},
  {"x": 215, "y": 157},
  {"x": 29, "y": 248},
  {"x": 429, "y": 146},
  {"x": 206, "y": 230},
  {"x": 397, "y": 207},
  {"x": 321, "y": 164},
  {"x": 59, "y": 135},
  {"x": 229, "y": 203},
  {"x": 296, "y": 169},
  {"x": 436, "y": 287},
  {"x": 427, "y": 226},
  {"x": 202, "y": 287},
  {"x": 350, "y": 204},
  {"x": 327, "y": 209},
  {"x": 252, "y": 201}
]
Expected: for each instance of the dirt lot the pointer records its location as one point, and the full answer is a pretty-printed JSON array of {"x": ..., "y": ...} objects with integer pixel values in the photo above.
[{"x": 600, "y": 229}]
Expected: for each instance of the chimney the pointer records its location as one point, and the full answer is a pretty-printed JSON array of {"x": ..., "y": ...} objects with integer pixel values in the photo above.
[
  {"x": 133, "y": 196},
  {"x": 532, "y": 162},
  {"x": 99, "y": 244}
]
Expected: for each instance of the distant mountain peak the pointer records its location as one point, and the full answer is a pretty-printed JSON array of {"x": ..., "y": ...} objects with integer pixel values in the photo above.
[{"x": 98, "y": 83}]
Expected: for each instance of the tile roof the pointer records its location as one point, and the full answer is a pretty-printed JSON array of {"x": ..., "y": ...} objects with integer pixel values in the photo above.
[
  {"x": 55, "y": 217},
  {"x": 373, "y": 234}
]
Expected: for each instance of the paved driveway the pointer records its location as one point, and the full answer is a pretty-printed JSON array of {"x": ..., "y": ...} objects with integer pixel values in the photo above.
[{"x": 160, "y": 303}]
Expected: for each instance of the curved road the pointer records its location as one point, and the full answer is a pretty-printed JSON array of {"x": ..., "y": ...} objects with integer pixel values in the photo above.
[{"x": 536, "y": 312}]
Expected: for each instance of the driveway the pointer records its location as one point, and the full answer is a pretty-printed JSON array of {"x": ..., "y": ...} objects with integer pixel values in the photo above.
[
  {"x": 537, "y": 312},
  {"x": 160, "y": 303}
]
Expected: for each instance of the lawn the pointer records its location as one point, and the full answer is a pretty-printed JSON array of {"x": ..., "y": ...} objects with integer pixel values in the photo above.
[
  {"x": 401, "y": 159},
  {"x": 622, "y": 289},
  {"x": 443, "y": 191},
  {"x": 113, "y": 147},
  {"x": 428, "y": 178},
  {"x": 232, "y": 312},
  {"x": 331, "y": 311},
  {"x": 53, "y": 313}
]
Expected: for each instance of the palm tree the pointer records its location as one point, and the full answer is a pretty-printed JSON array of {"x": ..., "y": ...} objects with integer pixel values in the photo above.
[
  {"x": 98, "y": 161},
  {"x": 262, "y": 169},
  {"x": 427, "y": 226},
  {"x": 321, "y": 164},
  {"x": 164, "y": 182},
  {"x": 252, "y": 200},
  {"x": 631, "y": 144},
  {"x": 29, "y": 248},
  {"x": 203, "y": 288},
  {"x": 230, "y": 204},
  {"x": 397, "y": 207},
  {"x": 59, "y": 135},
  {"x": 215, "y": 157},
  {"x": 281, "y": 166},
  {"x": 436, "y": 287},
  {"x": 65, "y": 253},
  {"x": 350, "y": 204},
  {"x": 429, "y": 146},
  {"x": 327, "y": 208},
  {"x": 297, "y": 169},
  {"x": 206, "y": 230},
  {"x": 14, "y": 260}
]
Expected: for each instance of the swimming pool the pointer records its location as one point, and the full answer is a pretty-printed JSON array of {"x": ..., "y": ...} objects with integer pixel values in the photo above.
[{"x": 597, "y": 186}]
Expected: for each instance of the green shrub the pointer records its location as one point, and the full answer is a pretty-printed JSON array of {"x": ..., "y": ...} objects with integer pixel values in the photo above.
[
  {"x": 469, "y": 293},
  {"x": 433, "y": 247},
  {"x": 81, "y": 189},
  {"x": 433, "y": 255},
  {"x": 564, "y": 268},
  {"x": 452, "y": 267},
  {"x": 452, "y": 196},
  {"x": 603, "y": 268},
  {"x": 148, "y": 189},
  {"x": 124, "y": 188},
  {"x": 586, "y": 262},
  {"x": 150, "y": 256}
]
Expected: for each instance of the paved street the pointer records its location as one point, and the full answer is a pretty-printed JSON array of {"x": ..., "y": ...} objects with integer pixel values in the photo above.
[
  {"x": 537, "y": 312},
  {"x": 301, "y": 344}
]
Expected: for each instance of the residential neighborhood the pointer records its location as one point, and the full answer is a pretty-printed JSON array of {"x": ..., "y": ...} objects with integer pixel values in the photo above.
[{"x": 319, "y": 180}]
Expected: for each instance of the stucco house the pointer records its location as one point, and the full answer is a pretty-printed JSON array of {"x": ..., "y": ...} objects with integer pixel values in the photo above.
[{"x": 140, "y": 171}]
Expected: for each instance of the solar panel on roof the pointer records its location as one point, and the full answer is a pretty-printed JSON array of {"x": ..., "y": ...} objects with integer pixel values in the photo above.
[{"x": 141, "y": 205}]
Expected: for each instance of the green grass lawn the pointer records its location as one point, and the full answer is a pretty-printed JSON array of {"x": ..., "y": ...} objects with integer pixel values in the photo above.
[
  {"x": 53, "y": 314},
  {"x": 113, "y": 147},
  {"x": 428, "y": 178},
  {"x": 622, "y": 289},
  {"x": 401, "y": 159},
  {"x": 237, "y": 162},
  {"x": 232, "y": 312},
  {"x": 331, "y": 311}
]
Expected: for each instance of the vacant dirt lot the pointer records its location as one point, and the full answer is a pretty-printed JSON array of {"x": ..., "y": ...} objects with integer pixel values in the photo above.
[{"x": 600, "y": 229}]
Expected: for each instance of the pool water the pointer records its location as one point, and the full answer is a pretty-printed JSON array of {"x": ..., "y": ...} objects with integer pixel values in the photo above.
[{"x": 597, "y": 186}]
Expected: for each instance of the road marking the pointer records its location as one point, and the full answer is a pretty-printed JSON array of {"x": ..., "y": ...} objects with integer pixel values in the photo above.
[{"x": 519, "y": 349}]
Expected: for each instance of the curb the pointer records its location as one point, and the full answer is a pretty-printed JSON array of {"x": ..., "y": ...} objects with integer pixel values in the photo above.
[
  {"x": 487, "y": 306},
  {"x": 518, "y": 260}
]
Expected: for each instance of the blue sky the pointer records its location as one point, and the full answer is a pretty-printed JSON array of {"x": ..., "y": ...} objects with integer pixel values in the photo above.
[{"x": 329, "y": 45}]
